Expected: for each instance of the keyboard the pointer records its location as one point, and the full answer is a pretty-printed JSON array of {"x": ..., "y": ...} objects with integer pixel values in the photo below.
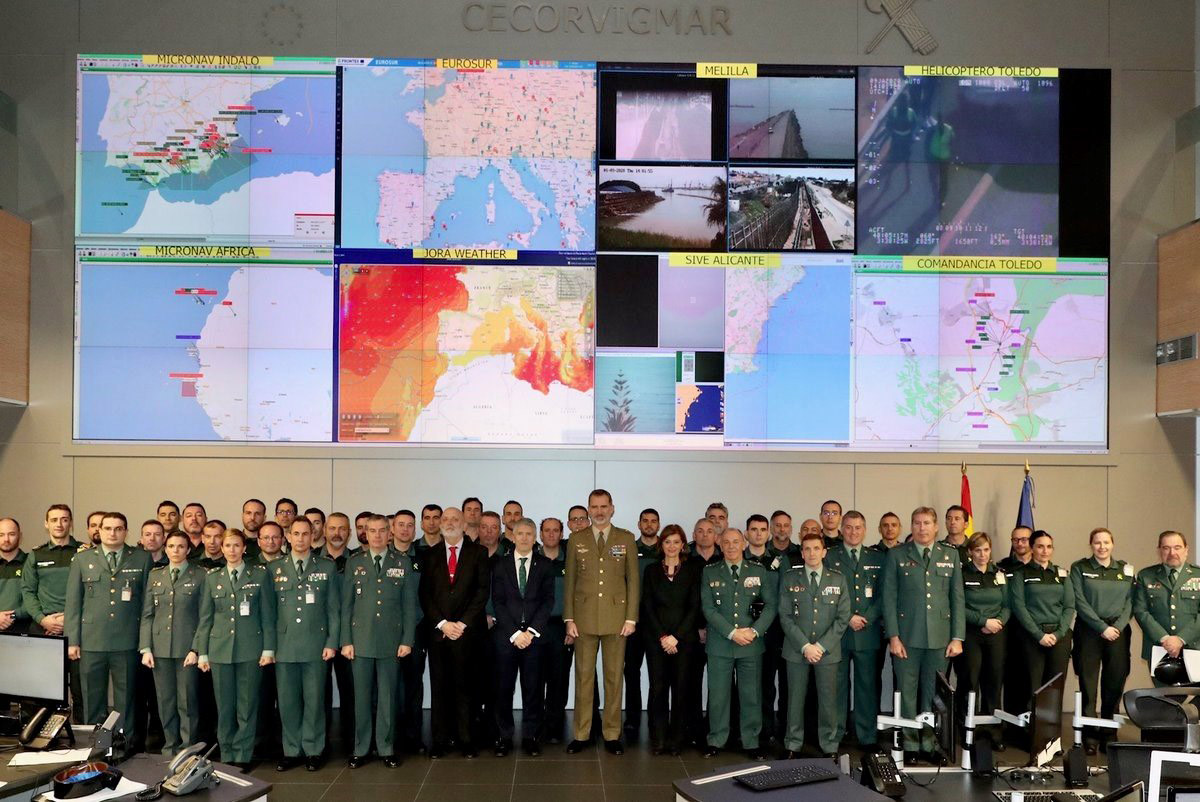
[
  {"x": 785, "y": 778},
  {"x": 1064, "y": 795}
]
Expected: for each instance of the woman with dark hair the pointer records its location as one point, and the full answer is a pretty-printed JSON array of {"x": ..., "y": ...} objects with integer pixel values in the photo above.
[
  {"x": 1043, "y": 601},
  {"x": 670, "y": 624},
  {"x": 985, "y": 590},
  {"x": 1104, "y": 602}
]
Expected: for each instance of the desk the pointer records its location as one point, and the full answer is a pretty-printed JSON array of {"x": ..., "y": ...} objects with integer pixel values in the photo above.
[
  {"x": 26, "y": 782},
  {"x": 843, "y": 789}
]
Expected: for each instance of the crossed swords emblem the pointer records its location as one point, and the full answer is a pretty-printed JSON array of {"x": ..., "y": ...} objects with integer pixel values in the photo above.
[{"x": 902, "y": 16}]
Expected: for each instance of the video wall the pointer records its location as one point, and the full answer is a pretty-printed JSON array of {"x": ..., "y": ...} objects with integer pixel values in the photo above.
[{"x": 609, "y": 255}]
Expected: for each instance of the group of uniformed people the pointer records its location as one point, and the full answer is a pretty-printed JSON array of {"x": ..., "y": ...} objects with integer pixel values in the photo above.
[{"x": 261, "y": 630}]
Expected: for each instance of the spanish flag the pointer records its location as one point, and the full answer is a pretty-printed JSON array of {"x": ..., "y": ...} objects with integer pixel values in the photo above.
[{"x": 966, "y": 502}]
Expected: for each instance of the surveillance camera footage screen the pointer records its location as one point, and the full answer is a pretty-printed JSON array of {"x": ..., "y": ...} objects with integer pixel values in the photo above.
[{"x": 957, "y": 165}]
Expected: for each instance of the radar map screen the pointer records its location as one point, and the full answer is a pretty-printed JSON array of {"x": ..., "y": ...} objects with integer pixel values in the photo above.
[
  {"x": 227, "y": 343},
  {"x": 496, "y": 154},
  {"x": 228, "y": 148}
]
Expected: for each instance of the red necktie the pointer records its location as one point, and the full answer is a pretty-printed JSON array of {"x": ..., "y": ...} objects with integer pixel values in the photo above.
[{"x": 453, "y": 563}]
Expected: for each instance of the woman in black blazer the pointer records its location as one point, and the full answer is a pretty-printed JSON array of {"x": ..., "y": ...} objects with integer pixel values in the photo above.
[{"x": 670, "y": 623}]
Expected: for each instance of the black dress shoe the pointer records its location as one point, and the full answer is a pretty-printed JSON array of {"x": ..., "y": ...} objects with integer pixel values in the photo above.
[
  {"x": 287, "y": 763},
  {"x": 356, "y": 760},
  {"x": 1090, "y": 748},
  {"x": 502, "y": 748},
  {"x": 710, "y": 751},
  {"x": 656, "y": 750},
  {"x": 531, "y": 747},
  {"x": 676, "y": 751},
  {"x": 615, "y": 747},
  {"x": 436, "y": 753},
  {"x": 791, "y": 755},
  {"x": 312, "y": 763},
  {"x": 469, "y": 752},
  {"x": 912, "y": 757},
  {"x": 999, "y": 746},
  {"x": 554, "y": 739},
  {"x": 392, "y": 762},
  {"x": 934, "y": 758},
  {"x": 575, "y": 747},
  {"x": 756, "y": 753}
]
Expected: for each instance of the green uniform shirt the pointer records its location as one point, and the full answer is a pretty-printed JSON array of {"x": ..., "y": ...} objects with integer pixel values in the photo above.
[
  {"x": 416, "y": 555},
  {"x": 558, "y": 567},
  {"x": 863, "y": 584},
  {"x": 985, "y": 594},
  {"x": 44, "y": 580},
  {"x": 308, "y": 608},
  {"x": 379, "y": 608},
  {"x": 728, "y": 605},
  {"x": 171, "y": 611},
  {"x": 104, "y": 607},
  {"x": 1043, "y": 600},
  {"x": 1103, "y": 595},
  {"x": 961, "y": 548},
  {"x": 786, "y": 557},
  {"x": 923, "y": 605},
  {"x": 811, "y": 614},
  {"x": 11, "y": 590},
  {"x": 237, "y": 622},
  {"x": 1163, "y": 609},
  {"x": 645, "y": 555}
]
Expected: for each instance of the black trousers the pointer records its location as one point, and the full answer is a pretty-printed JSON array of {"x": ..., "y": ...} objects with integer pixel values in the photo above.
[
  {"x": 556, "y": 676},
  {"x": 696, "y": 724},
  {"x": 1103, "y": 664},
  {"x": 528, "y": 663},
  {"x": 339, "y": 668},
  {"x": 635, "y": 654},
  {"x": 982, "y": 664},
  {"x": 670, "y": 678},
  {"x": 410, "y": 701},
  {"x": 269, "y": 739},
  {"x": 453, "y": 673},
  {"x": 148, "y": 726},
  {"x": 774, "y": 669},
  {"x": 1042, "y": 662},
  {"x": 483, "y": 693}
]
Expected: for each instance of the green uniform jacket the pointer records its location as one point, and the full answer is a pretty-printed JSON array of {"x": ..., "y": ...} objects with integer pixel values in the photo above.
[
  {"x": 1161, "y": 610},
  {"x": 787, "y": 557},
  {"x": 379, "y": 612},
  {"x": 12, "y": 594},
  {"x": 104, "y": 609},
  {"x": 416, "y": 555},
  {"x": 863, "y": 585},
  {"x": 308, "y": 609},
  {"x": 558, "y": 567},
  {"x": 925, "y": 608},
  {"x": 44, "y": 580},
  {"x": 727, "y": 606},
  {"x": 819, "y": 619},
  {"x": 601, "y": 609},
  {"x": 986, "y": 594},
  {"x": 171, "y": 611},
  {"x": 961, "y": 548},
  {"x": 645, "y": 555},
  {"x": 1103, "y": 596},
  {"x": 1043, "y": 600},
  {"x": 223, "y": 633}
]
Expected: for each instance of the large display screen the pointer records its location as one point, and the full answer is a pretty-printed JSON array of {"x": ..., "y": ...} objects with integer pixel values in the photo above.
[{"x": 596, "y": 254}]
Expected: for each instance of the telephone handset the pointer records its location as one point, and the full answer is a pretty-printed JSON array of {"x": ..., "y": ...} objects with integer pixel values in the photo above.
[
  {"x": 45, "y": 727},
  {"x": 190, "y": 770},
  {"x": 880, "y": 774}
]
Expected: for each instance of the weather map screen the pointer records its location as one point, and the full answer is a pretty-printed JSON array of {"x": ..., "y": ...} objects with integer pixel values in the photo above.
[
  {"x": 230, "y": 148},
  {"x": 436, "y": 156},
  {"x": 611, "y": 255}
]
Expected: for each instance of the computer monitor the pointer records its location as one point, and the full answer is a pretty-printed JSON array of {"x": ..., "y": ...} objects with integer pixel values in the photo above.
[
  {"x": 33, "y": 668},
  {"x": 946, "y": 721},
  {"x": 1045, "y": 721}
]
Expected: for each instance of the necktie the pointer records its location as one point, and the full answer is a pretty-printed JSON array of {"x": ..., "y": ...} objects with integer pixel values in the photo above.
[
  {"x": 235, "y": 575},
  {"x": 522, "y": 576},
  {"x": 112, "y": 562},
  {"x": 174, "y": 575},
  {"x": 812, "y": 582},
  {"x": 300, "y": 567},
  {"x": 452, "y": 565},
  {"x": 378, "y": 564},
  {"x": 734, "y": 570},
  {"x": 1174, "y": 574},
  {"x": 925, "y": 556},
  {"x": 600, "y": 541},
  {"x": 854, "y": 558}
]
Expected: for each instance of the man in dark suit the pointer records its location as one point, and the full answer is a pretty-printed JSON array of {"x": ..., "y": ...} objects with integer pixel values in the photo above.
[
  {"x": 522, "y": 598},
  {"x": 454, "y": 590}
]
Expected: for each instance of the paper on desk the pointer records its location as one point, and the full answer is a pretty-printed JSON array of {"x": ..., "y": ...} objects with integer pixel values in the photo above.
[
  {"x": 51, "y": 756},
  {"x": 125, "y": 787}
]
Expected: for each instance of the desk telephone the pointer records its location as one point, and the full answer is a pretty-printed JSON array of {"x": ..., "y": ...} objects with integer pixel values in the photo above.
[
  {"x": 45, "y": 727},
  {"x": 190, "y": 770},
  {"x": 879, "y": 773}
]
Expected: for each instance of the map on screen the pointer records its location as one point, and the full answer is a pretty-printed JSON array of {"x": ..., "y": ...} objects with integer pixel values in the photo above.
[
  {"x": 228, "y": 153},
  {"x": 221, "y": 348},
  {"x": 501, "y": 157}
]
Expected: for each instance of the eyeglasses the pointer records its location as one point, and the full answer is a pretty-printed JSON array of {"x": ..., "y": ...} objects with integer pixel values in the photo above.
[{"x": 1020, "y": 540}]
